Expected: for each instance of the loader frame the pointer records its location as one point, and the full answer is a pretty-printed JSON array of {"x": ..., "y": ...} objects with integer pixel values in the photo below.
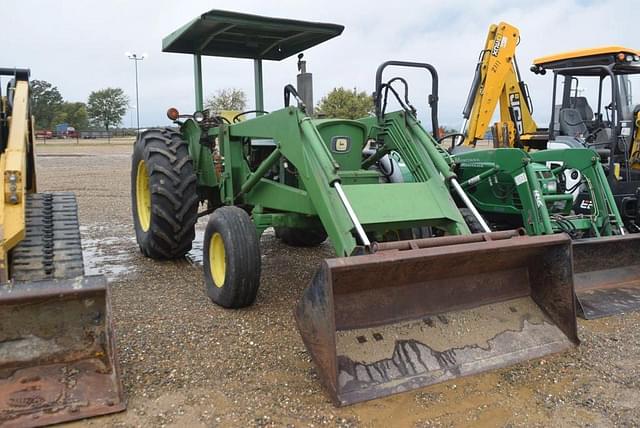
[{"x": 521, "y": 189}]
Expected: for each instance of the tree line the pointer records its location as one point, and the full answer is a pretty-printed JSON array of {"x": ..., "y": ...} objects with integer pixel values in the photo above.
[
  {"x": 338, "y": 103},
  {"x": 104, "y": 108}
]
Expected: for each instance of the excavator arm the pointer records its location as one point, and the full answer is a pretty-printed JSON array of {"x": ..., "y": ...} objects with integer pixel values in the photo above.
[{"x": 497, "y": 80}]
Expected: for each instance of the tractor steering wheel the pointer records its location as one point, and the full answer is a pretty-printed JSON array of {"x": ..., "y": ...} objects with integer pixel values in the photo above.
[
  {"x": 237, "y": 117},
  {"x": 457, "y": 139}
]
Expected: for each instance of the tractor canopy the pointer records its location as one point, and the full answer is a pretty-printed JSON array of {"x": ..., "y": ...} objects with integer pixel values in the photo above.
[{"x": 240, "y": 35}]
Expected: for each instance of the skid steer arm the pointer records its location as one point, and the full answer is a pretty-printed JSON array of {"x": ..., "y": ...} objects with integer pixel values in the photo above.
[{"x": 16, "y": 163}]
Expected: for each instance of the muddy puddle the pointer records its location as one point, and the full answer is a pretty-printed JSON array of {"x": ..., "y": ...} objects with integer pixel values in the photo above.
[
  {"x": 112, "y": 256},
  {"x": 195, "y": 255}
]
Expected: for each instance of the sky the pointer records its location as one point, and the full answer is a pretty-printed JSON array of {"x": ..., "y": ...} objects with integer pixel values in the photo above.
[{"x": 79, "y": 46}]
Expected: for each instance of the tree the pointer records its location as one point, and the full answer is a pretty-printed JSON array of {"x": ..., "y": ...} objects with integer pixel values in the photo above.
[
  {"x": 107, "y": 107},
  {"x": 227, "y": 99},
  {"x": 75, "y": 114},
  {"x": 345, "y": 103},
  {"x": 45, "y": 102}
]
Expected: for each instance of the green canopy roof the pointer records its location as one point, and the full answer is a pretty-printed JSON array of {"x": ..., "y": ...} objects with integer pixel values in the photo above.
[{"x": 239, "y": 35}]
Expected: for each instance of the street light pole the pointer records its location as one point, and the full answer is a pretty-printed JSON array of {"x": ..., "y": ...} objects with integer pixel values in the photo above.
[{"x": 135, "y": 57}]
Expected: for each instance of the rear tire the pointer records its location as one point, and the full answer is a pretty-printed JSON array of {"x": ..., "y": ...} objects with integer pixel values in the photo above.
[
  {"x": 301, "y": 237},
  {"x": 164, "y": 199},
  {"x": 231, "y": 258}
]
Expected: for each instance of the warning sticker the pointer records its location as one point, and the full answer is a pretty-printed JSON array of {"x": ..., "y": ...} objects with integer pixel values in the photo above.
[{"x": 520, "y": 179}]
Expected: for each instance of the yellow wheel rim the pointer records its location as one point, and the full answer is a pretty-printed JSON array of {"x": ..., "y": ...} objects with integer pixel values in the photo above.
[
  {"x": 143, "y": 196},
  {"x": 217, "y": 261}
]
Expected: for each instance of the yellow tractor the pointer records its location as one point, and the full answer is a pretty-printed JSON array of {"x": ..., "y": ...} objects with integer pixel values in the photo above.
[{"x": 57, "y": 350}]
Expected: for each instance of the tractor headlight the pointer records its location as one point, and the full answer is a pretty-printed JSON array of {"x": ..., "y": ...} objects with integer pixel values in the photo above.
[{"x": 198, "y": 116}]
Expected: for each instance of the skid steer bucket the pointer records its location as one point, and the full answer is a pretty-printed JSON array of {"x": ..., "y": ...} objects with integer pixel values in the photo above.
[
  {"x": 57, "y": 352},
  {"x": 607, "y": 275},
  {"x": 420, "y": 312}
]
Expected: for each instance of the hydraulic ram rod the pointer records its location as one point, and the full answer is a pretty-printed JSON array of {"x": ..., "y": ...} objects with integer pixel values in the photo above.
[
  {"x": 352, "y": 215},
  {"x": 469, "y": 205}
]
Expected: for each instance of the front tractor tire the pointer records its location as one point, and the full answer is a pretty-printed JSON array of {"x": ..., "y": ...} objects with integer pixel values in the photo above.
[
  {"x": 231, "y": 258},
  {"x": 163, "y": 194}
]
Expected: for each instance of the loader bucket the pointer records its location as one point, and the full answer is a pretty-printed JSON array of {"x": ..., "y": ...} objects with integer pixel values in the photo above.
[
  {"x": 607, "y": 275},
  {"x": 57, "y": 352},
  {"x": 421, "y": 312}
]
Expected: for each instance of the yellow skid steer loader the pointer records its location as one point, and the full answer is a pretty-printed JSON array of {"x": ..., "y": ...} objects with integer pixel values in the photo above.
[{"x": 57, "y": 350}]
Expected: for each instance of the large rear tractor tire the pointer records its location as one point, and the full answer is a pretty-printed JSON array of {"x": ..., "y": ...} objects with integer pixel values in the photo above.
[
  {"x": 301, "y": 237},
  {"x": 163, "y": 194},
  {"x": 231, "y": 258}
]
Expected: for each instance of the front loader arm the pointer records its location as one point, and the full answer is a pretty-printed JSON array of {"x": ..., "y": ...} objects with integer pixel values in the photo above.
[
  {"x": 588, "y": 163},
  {"x": 300, "y": 143}
]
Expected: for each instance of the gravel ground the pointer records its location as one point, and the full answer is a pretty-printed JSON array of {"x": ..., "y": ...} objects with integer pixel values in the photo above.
[{"x": 187, "y": 362}]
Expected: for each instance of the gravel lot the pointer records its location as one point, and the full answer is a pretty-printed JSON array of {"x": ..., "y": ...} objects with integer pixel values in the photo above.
[{"x": 187, "y": 362}]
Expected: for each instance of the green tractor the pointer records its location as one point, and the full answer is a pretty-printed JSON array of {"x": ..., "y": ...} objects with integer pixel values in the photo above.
[
  {"x": 536, "y": 191},
  {"x": 412, "y": 297}
]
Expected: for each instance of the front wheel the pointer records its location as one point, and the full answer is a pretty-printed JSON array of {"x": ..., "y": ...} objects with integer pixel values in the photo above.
[{"x": 231, "y": 258}]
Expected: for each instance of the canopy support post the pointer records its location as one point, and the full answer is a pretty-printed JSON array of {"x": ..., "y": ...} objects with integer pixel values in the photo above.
[
  {"x": 257, "y": 76},
  {"x": 197, "y": 79}
]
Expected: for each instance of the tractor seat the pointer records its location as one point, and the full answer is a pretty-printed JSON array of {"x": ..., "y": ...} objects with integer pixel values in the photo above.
[
  {"x": 571, "y": 123},
  {"x": 582, "y": 105}
]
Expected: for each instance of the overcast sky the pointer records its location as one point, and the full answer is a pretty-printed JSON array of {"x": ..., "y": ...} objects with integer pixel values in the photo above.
[{"x": 79, "y": 45}]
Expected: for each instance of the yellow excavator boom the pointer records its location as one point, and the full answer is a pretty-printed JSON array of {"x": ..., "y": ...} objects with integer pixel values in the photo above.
[{"x": 497, "y": 80}]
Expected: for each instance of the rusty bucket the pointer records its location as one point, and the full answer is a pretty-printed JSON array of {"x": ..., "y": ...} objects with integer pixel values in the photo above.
[
  {"x": 57, "y": 352},
  {"x": 607, "y": 275},
  {"x": 421, "y": 312}
]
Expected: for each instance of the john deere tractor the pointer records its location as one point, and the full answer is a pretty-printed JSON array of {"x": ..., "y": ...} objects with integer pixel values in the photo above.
[{"x": 389, "y": 313}]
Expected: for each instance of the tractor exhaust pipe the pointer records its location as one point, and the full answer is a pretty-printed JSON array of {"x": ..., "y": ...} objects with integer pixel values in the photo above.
[{"x": 305, "y": 85}]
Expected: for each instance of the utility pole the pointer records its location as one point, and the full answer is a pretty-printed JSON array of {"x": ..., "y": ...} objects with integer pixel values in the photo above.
[{"x": 135, "y": 57}]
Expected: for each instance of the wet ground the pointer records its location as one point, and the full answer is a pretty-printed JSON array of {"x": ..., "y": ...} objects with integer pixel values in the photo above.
[{"x": 187, "y": 362}]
